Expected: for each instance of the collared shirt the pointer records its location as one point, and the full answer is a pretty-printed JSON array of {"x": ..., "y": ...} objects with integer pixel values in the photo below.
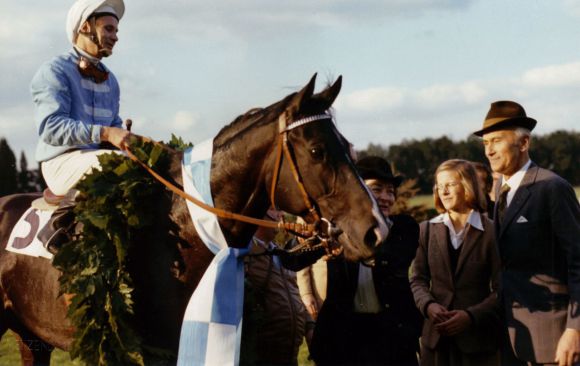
[
  {"x": 71, "y": 109},
  {"x": 515, "y": 181},
  {"x": 474, "y": 220},
  {"x": 91, "y": 58}
]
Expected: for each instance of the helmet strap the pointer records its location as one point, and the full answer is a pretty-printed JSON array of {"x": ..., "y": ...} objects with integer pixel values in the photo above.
[{"x": 93, "y": 37}]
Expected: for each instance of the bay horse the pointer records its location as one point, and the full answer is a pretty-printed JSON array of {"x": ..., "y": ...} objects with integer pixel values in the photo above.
[{"x": 167, "y": 267}]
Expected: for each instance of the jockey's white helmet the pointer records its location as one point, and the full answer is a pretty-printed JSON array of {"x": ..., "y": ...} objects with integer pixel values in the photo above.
[{"x": 82, "y": 10}]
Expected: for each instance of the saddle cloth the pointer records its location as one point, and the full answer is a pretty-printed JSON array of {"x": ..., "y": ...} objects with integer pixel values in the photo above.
[{"x": 23, "y": 238}]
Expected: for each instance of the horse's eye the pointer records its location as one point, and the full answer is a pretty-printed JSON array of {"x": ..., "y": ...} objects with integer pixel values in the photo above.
[{"x": 317, "y": 153}]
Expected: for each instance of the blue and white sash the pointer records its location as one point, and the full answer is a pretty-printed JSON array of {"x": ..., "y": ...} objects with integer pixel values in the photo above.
[{"x": 212, "y": 325}]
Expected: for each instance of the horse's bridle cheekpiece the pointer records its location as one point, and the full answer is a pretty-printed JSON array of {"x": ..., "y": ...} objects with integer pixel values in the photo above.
[
  {"x": 324, "y": 231},
  {"x": 321, "y": 231}
]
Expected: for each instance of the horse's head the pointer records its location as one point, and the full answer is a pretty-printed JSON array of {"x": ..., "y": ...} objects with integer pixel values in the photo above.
[
  {"x": 325, "y": 177},
  {"x": 290, "y": 154}
]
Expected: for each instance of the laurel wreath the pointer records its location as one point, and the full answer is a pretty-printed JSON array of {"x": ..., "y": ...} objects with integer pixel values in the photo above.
[{"x": 113, "y": 205}]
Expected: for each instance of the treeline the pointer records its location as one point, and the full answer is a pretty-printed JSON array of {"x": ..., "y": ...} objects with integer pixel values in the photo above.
[
  {"x": 558, "y": 151},
  {"x": 15, "y": 176},
  {"x": 416, "y": 159}
]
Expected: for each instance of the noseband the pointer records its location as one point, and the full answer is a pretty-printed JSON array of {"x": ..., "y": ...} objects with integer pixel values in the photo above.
[{"x": 320, "y": 233}]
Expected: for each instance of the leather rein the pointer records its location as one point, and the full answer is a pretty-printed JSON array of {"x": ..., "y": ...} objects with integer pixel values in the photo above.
[{"x": 318, "y": 234}]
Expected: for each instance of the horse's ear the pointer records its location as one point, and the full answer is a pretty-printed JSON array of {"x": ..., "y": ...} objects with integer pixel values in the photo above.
[
  {"x": 329, "y": 95},
  {"x": 301, "y": 98}
]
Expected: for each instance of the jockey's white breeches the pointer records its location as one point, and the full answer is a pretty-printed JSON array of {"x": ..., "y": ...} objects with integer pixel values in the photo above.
[{"x": 64, "y": 171}]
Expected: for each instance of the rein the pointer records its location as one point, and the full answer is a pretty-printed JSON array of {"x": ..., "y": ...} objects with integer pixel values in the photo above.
[
  {"x": 312, "y": 232},
  {"x": 301, "y": 228}
]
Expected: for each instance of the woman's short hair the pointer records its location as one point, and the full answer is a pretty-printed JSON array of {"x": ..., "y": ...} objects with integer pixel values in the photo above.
[{"x": 474, "y": 196}]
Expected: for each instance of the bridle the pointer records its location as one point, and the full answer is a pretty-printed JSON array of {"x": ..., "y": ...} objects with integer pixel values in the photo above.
[{"x": 320, "y": 233}]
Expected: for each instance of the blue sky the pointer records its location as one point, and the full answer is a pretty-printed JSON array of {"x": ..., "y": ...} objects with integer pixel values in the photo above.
[{"x": 412, "y": 68}]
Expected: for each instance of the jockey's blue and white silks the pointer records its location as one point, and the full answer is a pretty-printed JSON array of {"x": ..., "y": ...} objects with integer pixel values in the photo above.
[
  {"x": 71, "y": 109},
  {"x": 212, "y": 325}
]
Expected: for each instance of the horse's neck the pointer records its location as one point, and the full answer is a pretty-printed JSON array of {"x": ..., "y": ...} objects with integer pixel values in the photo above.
[{"x": 238, "y": 178}]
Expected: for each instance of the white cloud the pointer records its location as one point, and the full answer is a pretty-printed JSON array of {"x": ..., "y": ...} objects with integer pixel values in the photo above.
[
  {"x": 434, "y": 97},
  {"x": 553, "y": 76},
  {"x": 262, "y": 18},
  {"x": 443, "y": 95},
  {"x": 456, "y": 110},
  {"x": 184, "y": 120},
  {"x": 573, "y": 6},
  {"x": 373, "y": 99}
]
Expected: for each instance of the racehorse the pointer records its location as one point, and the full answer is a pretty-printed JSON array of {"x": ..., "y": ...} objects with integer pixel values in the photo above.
[{"x": 317, "y": 174}]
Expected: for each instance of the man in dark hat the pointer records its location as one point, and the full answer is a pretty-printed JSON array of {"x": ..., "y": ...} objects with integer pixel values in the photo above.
[
  {"x": 537, "y": 224},
  {"x": 369, "y": 317}
]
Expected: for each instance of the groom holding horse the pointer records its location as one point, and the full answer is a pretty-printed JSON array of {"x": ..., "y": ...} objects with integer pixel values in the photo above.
[{"x": 76, "y": 102}]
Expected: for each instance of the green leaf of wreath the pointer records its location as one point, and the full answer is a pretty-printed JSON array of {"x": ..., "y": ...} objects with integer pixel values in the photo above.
[{"x": 113, "y": 203}]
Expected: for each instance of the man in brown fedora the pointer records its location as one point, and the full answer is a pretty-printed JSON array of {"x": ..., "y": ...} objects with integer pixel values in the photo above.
[{"x": 537, "y": 224}]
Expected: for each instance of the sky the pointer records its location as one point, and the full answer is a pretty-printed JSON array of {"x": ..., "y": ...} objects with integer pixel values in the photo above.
[{"x": 411, "y": 68}]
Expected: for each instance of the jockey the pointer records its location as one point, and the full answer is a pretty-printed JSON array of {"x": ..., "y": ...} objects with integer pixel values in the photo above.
[{"x": 76, "y": 101}]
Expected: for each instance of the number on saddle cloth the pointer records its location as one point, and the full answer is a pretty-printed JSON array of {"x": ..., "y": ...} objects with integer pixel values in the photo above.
[{"x": 23, "y": 239}]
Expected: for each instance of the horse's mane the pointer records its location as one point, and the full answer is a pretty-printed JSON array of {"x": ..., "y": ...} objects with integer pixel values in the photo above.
[{"x": 252, "y": 118}]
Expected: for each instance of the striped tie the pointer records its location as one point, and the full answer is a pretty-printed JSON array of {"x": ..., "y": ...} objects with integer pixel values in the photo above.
[{"x": 502, "y": 202}]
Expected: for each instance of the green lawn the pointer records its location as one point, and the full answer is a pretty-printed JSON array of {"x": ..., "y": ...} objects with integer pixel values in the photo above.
[
  {"x": 9, "y": 354},
  {"x": 425, "y": 200},
  {"x": 303, "y": 356}
]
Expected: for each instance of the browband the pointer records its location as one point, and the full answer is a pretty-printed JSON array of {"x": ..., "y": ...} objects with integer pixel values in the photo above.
[{"x": 306, "y": 120}]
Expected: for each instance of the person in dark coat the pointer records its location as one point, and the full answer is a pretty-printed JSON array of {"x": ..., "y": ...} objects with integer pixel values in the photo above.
[
  {"x": 275, "y": 320},
  {"x": 537, "y": 227},
  {"x": 369, "y": 317}
]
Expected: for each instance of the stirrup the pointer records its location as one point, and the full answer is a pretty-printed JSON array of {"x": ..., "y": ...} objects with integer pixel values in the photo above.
[{"x": 56, "y": 240}]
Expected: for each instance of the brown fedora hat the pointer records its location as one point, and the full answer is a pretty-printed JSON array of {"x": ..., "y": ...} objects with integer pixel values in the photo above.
[{"x": 505, "y": 114}]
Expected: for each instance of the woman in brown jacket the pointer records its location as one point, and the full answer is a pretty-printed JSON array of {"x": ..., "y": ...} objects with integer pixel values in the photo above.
[{"x": 455, "y": 273}]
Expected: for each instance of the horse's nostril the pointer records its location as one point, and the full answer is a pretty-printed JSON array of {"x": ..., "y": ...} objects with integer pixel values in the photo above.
[{"x": 371, "y": 237}]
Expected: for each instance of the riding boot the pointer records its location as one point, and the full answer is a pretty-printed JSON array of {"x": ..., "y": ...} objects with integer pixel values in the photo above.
[{"x": 56, "y": 232}]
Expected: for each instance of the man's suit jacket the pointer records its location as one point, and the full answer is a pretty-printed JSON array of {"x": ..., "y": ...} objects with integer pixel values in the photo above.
[
  {"x": 539, "y": 246},
  {"x": 472, "y": 287}
]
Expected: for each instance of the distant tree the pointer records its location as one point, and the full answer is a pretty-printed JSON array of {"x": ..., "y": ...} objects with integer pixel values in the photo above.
[
  {"x": 405, "y": 192},
  {"x": 8, "y": 173},
  {"x": 559, "y": 152},
  {"x": 25, "y": 177},
  {"x": 418, "y": 159}
]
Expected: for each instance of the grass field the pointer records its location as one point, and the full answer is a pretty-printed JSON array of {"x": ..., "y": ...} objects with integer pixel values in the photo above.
[
  {"x": 425, "y": 200},
  {"x": 9, "y": 354}
]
